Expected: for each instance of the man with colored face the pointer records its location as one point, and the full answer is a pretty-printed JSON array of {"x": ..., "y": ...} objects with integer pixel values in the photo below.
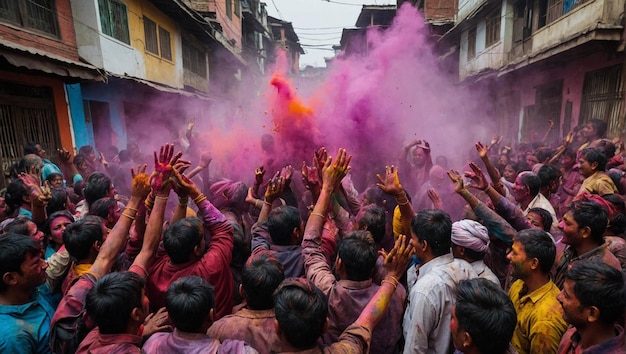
[
  {"x": 583, "y": 227},
  {"x": 539, "y": 321},
  {"x": 593, "y": 301},
  {"x": 592, "y": 163},
  {"x": 25, "y": 310}
]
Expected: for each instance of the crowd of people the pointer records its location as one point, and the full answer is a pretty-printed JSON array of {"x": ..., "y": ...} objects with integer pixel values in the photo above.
[{"x": 111, "y": 257}]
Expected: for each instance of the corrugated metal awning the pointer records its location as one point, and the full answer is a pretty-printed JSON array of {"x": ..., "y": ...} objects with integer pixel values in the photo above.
[{"x": 34, "y": 59}]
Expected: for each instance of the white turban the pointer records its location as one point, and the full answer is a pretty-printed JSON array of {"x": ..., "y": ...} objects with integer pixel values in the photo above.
[{"x": 470, "y": 234}]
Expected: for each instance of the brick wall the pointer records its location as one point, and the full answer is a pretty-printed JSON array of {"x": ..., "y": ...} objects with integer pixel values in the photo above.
[
  {"x": 64, "y": 46},
  {"x": 198, "y": 5},
  {"x": 440, "y": 9}
]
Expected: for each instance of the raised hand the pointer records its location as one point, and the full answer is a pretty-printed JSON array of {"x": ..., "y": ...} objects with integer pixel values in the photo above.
[
  {"x": 319, "y": 159},
  {"x": 457, "y": 180},
  {"x": 434, "y": 198},
  {"x": 483, "y": 150},
  {"x": 275, "y": 188},
  {"x": 184, "y": 186},
  {"x": 334, "y": 171},
  {"x": 287, "y": 172},
  {"x": 64, "y": 156},
  {"x": 391, "y": 183},
  {"x": 310, "y": 177},
  {"x": 569, "y": 138},
  {"x": 550, "y": 123},
  {"x": 477, "y": 176},
  {"x": 259, "y": 173},
  {"x": 205, "y": 160},
  {"x": 397, "y": 260},
  {"x": 161, "y": 179},
  {"x": 141, "y": 182}
]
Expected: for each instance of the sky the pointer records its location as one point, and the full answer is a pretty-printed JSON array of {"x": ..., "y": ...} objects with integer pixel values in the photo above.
[{"x": 319, "y": 23}]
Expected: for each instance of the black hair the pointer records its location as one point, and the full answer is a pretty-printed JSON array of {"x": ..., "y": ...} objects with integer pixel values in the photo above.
[
  {"x": 544, "y": 154},
  {"x": 281, "y": 222},
  {"x": 260, "y": 277},
  {"x": 485, "y": 312},
  {"x": 538, "y": 244},
  {"x": 85, "y": 150},
  {"x": 58, "y": 200},
  {"x": 531, "y": 181},
  {"x": 14, "y": 195},
  {"x": 599, "y": 126},
  {"x": 227, "y": 194},
  {"x": 546, "y": 218},
  {"x": 13, "y": 251},
  {"x": 18, "y": 226},
  {"x": 301, "y": 310},
  {"x": 181, "y": 237},
  {"x": 52, "y": 176},
  {"x": 435, "y": 227},
  {"x": 103, "y": 207},
  {"x": 98, "y": 186},
  {"x": 80, "y": 236},
  {"x": 591, "y": 214},
  {"x": 358, "y": 253},
  {"x": 600, "y": 285},
  {"x": 548, "y": 174},
  {"x": 188, "y": 301},
  {"x": 112, "y": 300},
  {"x": 373, "y": 218},
  {"x": 30, "y": 147},
  {"x": 595, "y": 155}
]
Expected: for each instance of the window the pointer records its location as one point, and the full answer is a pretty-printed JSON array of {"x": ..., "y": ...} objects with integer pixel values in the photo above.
[
  {"x": 237, "y": 8},
  {"x": 157, "y": 39},
  {"x": 194, "y": 59},
  {"x": 38, "y": 15},
  {"x": 493, "y": 29},
  {"x": 229, "y": 8},
  {"x": 114, "y": 19},
  {"x": 471, "y": 43},
  {"x": 164, "y": 43},
  {"x": 150, "y": 31}
]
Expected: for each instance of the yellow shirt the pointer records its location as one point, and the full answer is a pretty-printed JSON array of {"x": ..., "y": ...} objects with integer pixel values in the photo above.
[
  {"x": 598, "y": 183},
  {"x": 540, "y": 323}
]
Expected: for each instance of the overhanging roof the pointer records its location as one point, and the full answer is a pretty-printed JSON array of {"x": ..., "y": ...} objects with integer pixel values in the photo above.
[
  {"x": 381, "y": 15},
  {"x": 35, "y": 59}
]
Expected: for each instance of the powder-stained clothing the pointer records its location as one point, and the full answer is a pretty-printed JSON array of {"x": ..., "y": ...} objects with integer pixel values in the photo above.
[
  {"x": 26, "y": 327},
  {"x": 192, "y": 343},
  {"x": 97, "y": 343},
  {"x": 540, "y": 323},
  {"x": 617, "y": 246},
  {"x": 571, "y": 181},
  {"x": 355, "y": 339},
  {"x": 214, "y": 266},
  {"x": 569, "y": 256},
  {"x": 426, "y": 324},
  {"x": 539, "y": 201},
  {"x": 484, "y": 272},
  {"x": 347, "y": 299},
  {"x": 570, "y": 344},
  {"x": 290, "y": 256},
  {"x": 598, "y": 183},
  {"x": 255, "y": 327}
]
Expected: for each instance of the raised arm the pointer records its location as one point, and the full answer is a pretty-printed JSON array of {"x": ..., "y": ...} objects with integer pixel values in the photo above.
[
  {"x": 274, "y": 189},
  {"x": 39, "y": 195},
  {"x": 494, "y": 174},
  {"x": 315, "y": 265},
  {"x": 161, "y": 183},
  {"x": 117, "y": 237},
  {"x": 183, "y": 196},
  {"x": 391, "y": 185}
]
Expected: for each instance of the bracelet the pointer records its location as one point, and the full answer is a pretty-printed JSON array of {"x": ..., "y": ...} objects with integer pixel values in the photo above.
[
  {"x": 318, "y": 214},
  {"x": 133, "y": 209},
  {"x": 128, "y": 216},
  {"x": 199, "y": 199},
  {"x": 403, "y": 201},
  {"x": 267, "y": 203},
  {"x": 395, "y": 285},
  {"x": 161, "y": 197},
  {"x": 497, "y": 185},
  {"x": 394, "y": 278}
]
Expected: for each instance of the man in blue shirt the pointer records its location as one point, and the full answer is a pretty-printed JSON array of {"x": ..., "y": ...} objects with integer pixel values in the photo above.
[{"x": 25, "y": 310}]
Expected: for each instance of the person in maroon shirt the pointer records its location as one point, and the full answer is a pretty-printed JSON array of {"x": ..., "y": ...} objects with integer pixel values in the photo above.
[
  {"x": 66, "y": 334},
  {"x": 185, "y": 252},
  {"x": 254, "y": 324}
]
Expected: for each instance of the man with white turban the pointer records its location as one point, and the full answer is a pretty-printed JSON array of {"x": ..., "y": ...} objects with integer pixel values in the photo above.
[{"x": 470, "y": 242}]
